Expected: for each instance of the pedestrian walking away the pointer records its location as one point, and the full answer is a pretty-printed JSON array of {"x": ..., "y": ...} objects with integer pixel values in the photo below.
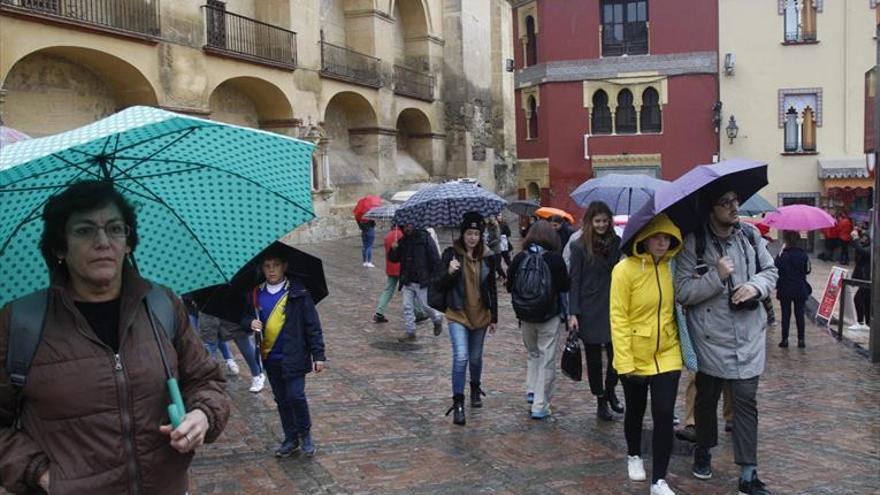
[
  {"x": 67, "y": 423},
  {"x": 844, "y": 235},
  {"x": 392, "y": 281},
  {"x": 792, "y": 287},
  {"x": 593, "y": 257},
  {"x": 721, "y": 289},
  {"x": 419, "y": 260},
  {"x": 538, "y": 282},
  {"x": 647, "y": 352},
  {"x": 467, "y": 282},
  {"x": 292, "y": 346},
  {"x": 368, "y": 237},
  {"x": 210, "y": 334},
  {"x": 862, "y": 271}
]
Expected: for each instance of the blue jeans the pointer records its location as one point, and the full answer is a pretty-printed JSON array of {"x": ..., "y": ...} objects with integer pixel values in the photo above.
[
  {"x": 467, "y": 349},
  {"x": 245, "y": 344},
  {"x": 218, "y": 344},
  {"x": 290, "y": 397},
  {"x": 367, "y": 238}
]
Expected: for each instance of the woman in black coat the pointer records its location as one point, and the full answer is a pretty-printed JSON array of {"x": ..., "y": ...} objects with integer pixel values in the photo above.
[
  {"x": 593, "y": 256},
  {"x": 862, "y": 244},
  {"x": 792, "y": 287}
]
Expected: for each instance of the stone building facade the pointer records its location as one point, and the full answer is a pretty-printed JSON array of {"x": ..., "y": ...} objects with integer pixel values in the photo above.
[{"x": 392, "y": 91}]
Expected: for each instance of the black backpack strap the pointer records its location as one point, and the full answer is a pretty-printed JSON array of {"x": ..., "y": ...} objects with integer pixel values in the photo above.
[
  {"x": 160, "y": 304},
  {"x": 25, "y": 332},
  {"x": 700, "y": 250},
  {"x": 750, "y": 232}
]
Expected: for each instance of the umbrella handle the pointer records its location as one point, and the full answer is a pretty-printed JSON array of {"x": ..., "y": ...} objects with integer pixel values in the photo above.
[{"x": 176, "y": 410}]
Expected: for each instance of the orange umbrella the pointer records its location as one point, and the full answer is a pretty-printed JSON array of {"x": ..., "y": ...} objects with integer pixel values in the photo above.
[
  {"x": 546, "y": 212},
  {"x": 364, "y": 205}
]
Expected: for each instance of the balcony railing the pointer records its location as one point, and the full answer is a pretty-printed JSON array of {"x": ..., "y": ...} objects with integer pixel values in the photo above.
[
  {"x": 632, "y": 47},
  {"x": 131, "y": 16},
  {"x": 800, "y": 36},
  {"x": 414, "y": 83},
  {"x": 343, "y": 63},
  {"x": 249, "y": 38}
]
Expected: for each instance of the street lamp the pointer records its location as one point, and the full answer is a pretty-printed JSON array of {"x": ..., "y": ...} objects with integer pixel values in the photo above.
[{"x": 732, "y": 129}]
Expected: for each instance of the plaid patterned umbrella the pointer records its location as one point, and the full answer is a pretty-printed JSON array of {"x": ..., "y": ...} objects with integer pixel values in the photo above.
[
  {"x": 209, "y": 196},
  {"x": 444, "y": 205}
]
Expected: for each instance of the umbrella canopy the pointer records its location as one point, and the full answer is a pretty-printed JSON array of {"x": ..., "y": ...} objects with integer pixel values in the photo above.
[
  {"x": 364, "y": 205},
  {"x": 799, "y": 217},
  {"x": 444, "y": 205},
  {"x": 383, "y": 213},
  {"x": 402, "y": 196},
  {"x": 229, "y": 302},
  {"x": 623, "y": 193},
  {"x": 524, "y": 207},
  {"x": 208, "y": 195},
  {"x": 755, "y": 206},
  {"x": 681, "y": 198},
  {"x": 8, "y": 135},
  {"x": 546, "y": 212}
]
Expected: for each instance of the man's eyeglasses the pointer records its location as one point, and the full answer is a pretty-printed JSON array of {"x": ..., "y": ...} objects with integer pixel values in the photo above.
[
  {"x": 89, "y": 232},
  {"x": 727, "y": 202}
]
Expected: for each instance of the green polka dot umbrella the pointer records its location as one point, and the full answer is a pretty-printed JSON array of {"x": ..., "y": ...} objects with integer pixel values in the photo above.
[{"x": 209, "y": 196}]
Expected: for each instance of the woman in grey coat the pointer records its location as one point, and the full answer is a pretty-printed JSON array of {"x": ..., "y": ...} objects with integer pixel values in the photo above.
[{"x": 593, "y": 256}]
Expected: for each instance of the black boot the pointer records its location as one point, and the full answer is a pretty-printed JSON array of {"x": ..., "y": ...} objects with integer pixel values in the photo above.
[
  {"x": 476, "y": 395},
  {"x": 613, "y": 401},
  {"x": 602, "y": 409},
  {"x": 458, "y": 408}
]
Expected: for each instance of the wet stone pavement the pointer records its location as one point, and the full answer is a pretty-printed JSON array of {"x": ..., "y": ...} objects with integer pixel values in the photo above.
[{"x": 377, "y": 414}]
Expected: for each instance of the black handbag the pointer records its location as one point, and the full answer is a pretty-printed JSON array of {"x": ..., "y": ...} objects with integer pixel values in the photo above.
[{"x": 572, "y": 363}]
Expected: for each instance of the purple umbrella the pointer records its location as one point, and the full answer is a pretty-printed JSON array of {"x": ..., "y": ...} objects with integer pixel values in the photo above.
[
  {"x": 684, "y": 199},
  {"x": 8, "y": 135},
  {"x": 623, "y": 193}
]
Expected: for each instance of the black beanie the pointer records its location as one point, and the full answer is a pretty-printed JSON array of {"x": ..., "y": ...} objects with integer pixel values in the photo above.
[{"x": 472, "y": 220}]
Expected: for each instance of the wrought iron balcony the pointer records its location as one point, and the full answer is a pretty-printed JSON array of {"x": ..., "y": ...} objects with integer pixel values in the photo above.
[
  {"x": 140, "y": 17},
  {"x": 338, "y": 62},
  {"x": 250, "y": 39},
  {"x": 413, "y": 83}
]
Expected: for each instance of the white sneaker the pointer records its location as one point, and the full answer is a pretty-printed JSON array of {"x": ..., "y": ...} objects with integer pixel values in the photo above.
[
  {"x": 635, "y": 467},
  {"x": 364, "y": 263},
  {"x": 369, "y": 265},
  {"x": 257, "y": 383},
  {"x": 855, "y": 327},
  {"x": 661, "y": 488},
  {"x": 232, "y": 366}
]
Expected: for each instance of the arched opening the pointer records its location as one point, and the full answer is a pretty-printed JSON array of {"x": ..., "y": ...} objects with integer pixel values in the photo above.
[
  {"x": 601, "y": 118},
  {"x": 531, "y": 42},
  {"x": 533, "y": 118},
  {"x": 61, "y": 88},
  {"x": 650, "y": 118},
  {"x": 533, "y": 192},
  {"x": 625, "y": 120},
  {"x": 791, "y": 131},
  {"x": 410, "y": 34},
  {"x": 415, "y": 154},
  {"x": 249, "y": 102},
  {"x": 351, "y": 129}
]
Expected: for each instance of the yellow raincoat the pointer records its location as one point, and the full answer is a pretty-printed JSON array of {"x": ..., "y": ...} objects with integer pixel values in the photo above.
[{"x": 643, "y": 329}]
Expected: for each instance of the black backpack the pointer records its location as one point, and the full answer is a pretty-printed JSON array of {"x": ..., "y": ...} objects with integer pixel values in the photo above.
[{"x": 534, "y": 299}]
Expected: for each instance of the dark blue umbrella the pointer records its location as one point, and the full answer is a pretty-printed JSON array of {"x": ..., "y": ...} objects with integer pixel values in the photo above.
[
  {"x": 444, "y": 205},
  {"x": 524, "y": 207},
  {"x": 685, "y": 199},
  {"x": 623, "y": 193},
  {"x": 756, "y": 205}
]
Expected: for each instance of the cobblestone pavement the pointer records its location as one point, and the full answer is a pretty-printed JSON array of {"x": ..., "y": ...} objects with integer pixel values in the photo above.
[{"x": 378, "y": 418}]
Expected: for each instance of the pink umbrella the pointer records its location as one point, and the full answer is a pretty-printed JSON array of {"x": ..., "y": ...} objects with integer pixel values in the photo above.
[
  {"x": 799, "y": 217},
  {"x": 8, "y": 135}
]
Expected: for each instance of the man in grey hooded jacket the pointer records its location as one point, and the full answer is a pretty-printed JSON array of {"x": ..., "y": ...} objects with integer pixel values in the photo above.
[{"x": 721, "y": 292}]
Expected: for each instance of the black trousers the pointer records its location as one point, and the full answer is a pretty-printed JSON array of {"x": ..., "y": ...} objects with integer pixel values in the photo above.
[
  {"x": 799, "y": 305},
  {"x": 745, "y": 415},
  {"x": 863, "y": 305},
  {"x": 593, "y": 354},
  {"x": 664, "y": 389}
]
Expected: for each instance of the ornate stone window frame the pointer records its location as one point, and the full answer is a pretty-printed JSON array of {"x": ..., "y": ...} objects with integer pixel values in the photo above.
[
  {"x": 525, "y": 93},
  {"x": 782, "y": 93},
  {"x": 526, "y": 10},
  {"x": 636, "y": 84}
]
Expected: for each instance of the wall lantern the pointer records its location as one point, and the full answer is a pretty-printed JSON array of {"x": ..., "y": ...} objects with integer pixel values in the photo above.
[{"x": 732, "y": 129}]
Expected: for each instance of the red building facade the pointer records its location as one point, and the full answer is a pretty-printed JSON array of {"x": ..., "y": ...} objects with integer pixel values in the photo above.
[{"x": 612, "y": 86}]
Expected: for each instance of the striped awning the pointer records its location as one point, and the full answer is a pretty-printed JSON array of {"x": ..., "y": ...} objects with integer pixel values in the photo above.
[{"x": 843, "y": 168}]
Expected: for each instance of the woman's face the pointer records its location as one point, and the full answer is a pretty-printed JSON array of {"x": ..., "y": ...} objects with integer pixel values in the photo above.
[
  {"x": 471, "y": 238},
  {"x": 601, "y": 222},
  {"x": 658, "y": 244},
  {"x": 97, "y": 242}
]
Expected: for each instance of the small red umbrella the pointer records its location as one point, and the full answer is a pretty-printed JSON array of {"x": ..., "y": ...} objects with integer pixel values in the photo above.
[{"x": 364, "y": 205}]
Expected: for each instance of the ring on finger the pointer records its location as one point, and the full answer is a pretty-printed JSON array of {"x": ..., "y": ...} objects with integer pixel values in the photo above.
[{"x": 186, "y": 436}]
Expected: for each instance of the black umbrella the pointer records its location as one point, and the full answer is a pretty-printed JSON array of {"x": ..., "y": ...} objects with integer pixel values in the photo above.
[
  {"x": 524, "y": 207},
  {"x": 230, "y": 301}
]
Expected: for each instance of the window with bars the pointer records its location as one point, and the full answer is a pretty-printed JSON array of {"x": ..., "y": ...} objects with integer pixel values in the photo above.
[
  {"x": 650, "y": 120},
  {"x": 624, "y": 27},
  {"x": 625, "y": 118},
  {"x": 800, "y": 21},
  {"x": 531, "y": 42},
  {"x": 601, "y": 118}
]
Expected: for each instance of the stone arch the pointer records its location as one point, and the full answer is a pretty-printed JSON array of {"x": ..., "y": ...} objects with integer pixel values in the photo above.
[
  {"x": 251, "y": 102},
  {"x": 415, "y": 143},
  {"x": 60, "y": 88},
  {"x": 352, "y": 133},
  {"x": 411, "y": 32},
  {"x": 533, "y": 192}
]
